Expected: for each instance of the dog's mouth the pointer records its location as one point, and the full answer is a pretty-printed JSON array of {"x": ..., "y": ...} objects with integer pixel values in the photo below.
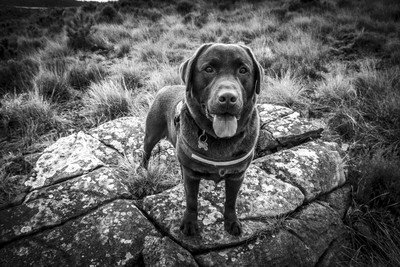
[{"x": 224, "y": 125}]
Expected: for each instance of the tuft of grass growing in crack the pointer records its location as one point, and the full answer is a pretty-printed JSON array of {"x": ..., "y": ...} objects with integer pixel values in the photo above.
[{"x": 141, "y": 182}]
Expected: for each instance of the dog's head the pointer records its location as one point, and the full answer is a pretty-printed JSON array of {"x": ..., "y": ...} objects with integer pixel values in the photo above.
[{"x": 222, "y": 81}]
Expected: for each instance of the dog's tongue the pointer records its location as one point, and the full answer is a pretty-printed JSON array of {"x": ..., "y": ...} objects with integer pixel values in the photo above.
[{"x": 224, "y": 125}]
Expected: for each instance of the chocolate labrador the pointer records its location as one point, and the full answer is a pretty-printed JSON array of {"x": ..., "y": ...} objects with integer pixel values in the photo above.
[{"x": 213, "y": 123}]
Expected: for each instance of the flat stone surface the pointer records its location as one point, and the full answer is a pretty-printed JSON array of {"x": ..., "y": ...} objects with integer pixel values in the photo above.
[
  {"x": 339, "y": 199},
  {"x": 291, "y": 203},
  {"x": 278, "y": 249},
  {"x": 167, "y": 209},
  {"x": 292, "y": 124},
  {"x": 70, "y": 157},
  {"x": 111, "y": 235},
  {"x": 56, "y": 204},
  {"x": 300, "y": 242},
  {"x": 282, "y": 127},
  {"x": 161, "y": 252},
  {"x": 261, "y": 196},
  {"x": 317, "y": 225},
  {"x": 269, "y": 112},
  {"x": 315, "y": 167},
  {"x": 123, "y": 134}
]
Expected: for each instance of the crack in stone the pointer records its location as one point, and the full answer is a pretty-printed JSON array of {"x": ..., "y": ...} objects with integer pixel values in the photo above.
[
  {"x": 105, "y": 144},
  {"x": 292, "y": 232},
  {"x": 138, "y": 205},
  {"x": 54, "y": 226},
  {"x": 66, "y": 178},
  {"x": 320, "y": 259}
]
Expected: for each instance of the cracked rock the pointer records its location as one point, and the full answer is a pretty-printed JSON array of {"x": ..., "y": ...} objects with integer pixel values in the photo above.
[
  {"x": 282, "y": 127},
  {"x": 302, "y": 243},
  {"x": 291, "y": 203},
  {"x": 277, "y": 249},
  {"x": 315, "y": 167},
  {"x": 69, "y": 157},
  {"x": 160, "y": 252},
  {"x": 124, "y": 134},
  {"x": 262, "y": 196},
  {"x": 112, "y": 235},
  {"x": 58, "y": 203},
  {"x": 317, "y": 225}
]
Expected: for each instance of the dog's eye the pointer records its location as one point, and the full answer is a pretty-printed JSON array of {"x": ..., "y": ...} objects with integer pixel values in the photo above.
[
  {"x": 209, "y": 69},
  {"x": 243, "y": 70}
]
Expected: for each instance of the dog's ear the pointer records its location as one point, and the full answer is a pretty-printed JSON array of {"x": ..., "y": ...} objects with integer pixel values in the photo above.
[
  {"x": 259, "y": 70},
  {"x": 186, "y": 68}
]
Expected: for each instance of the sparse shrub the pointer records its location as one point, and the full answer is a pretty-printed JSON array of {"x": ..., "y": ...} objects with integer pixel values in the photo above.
[
  {"x": 89, "y": 7},
  {"x": 153, "y": 52},
  {"x": 379, "y": 101},
  {"x": 152, "y": 14},
  {"x": 29, "y": 115},
  {"x": 374, "y": 215},
  {"x": 379, "y": 182},
  {"x": 33, "y": 31},
  {"x": 199, "y": 19},
  {"x": 131, "y": 73},
  {"x": 184, "y": 7},
  {"x": 58, "y": 65},
  {"x": 29, "y": 45},
  {"x": 16, "y": 76},
  {"x": 108, "y": 100},
  {"x": 163, "y": 76},
  {"x": 82, "y": 74},
  {"x": 114, "y": 33},
  {"x": 336, "y": 87},
  {"x": 55, "y": 49},
  {"x": 367, "y": 42},
  {"x": 346, "y": 121},
  {"x": 109, "y": 14},
  {"x": 285, "y": 89},
  {"x": 263, "y": 52},
  {"x": 8, "y": 47},
  {"x": 79, "y": 30},
  {"x": 123, "y": 48},
  {"x": 53, "y": 86}
]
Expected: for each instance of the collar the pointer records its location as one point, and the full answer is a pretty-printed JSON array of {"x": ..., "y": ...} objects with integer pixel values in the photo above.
[
  {"x": 221, "y": 163},
  {"x": 202, "y": 144},
  {"x": 190, "y": 152}
]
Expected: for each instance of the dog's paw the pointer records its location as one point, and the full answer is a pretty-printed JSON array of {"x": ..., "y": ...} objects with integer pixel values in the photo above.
[
  {"x": 233, "y": 227},
  {"x": 189, "y": 225}
]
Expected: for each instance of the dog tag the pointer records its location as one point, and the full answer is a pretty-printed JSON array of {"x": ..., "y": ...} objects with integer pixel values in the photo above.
[{"x": 202, "y": 141}]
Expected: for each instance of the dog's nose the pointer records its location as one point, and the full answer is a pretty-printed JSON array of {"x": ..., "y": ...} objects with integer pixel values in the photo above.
[{"x": 227, "y": 97}]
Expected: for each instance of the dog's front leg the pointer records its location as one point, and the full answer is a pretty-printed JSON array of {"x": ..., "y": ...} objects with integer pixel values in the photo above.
[
  {"x": 231, "y": 222},
  {"x": 189, "y": 222}
]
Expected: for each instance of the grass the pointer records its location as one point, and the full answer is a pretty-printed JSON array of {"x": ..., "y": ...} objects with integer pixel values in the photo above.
[
  {"x": 340, "y": 57},
  {"x": 108, "y": 100},
  {"x": 30, "y": 116},
  {"x": 286, "y": 89},
  {"x": 141, "y": 182},
  {"x": 53, "y": 86},
  {"x": 374, "y": 230}
]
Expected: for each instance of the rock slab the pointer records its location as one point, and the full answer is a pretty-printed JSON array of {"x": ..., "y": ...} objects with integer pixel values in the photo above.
[{"x": 80, "y": 211}]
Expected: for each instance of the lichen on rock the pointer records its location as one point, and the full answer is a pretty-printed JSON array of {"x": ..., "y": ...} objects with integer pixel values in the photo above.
[
  {"x": 77, "y": 211},
  {"x": 111, "y": 235}
]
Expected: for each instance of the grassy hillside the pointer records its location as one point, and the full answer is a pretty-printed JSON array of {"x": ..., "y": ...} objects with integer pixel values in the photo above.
[{"x": 63, "y": 70}]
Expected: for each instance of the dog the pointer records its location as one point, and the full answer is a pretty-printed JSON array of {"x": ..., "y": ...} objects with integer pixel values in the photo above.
[{"x": 213, "y": 123}]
